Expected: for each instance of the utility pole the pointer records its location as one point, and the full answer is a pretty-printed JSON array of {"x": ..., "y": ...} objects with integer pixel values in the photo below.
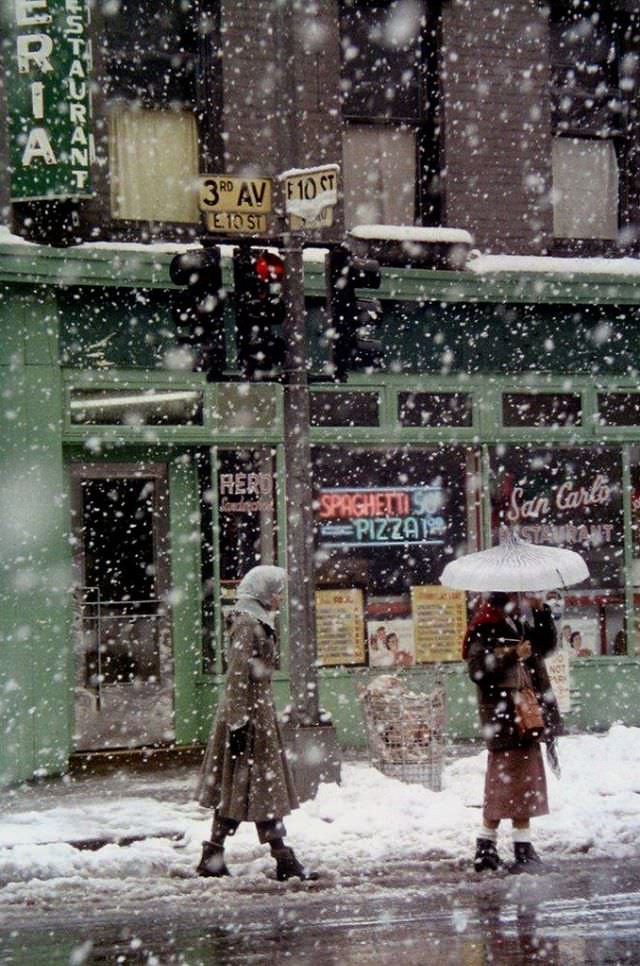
[
  {"x": 311, "y": 744},
  {"x": 297, "y": 459}
]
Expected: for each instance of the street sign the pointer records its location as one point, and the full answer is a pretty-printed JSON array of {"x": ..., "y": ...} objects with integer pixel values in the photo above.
[
  {"x": 310, "y": 195},
  {"x": 236, "y": 222},
  {"x": 221, "y": 192}
]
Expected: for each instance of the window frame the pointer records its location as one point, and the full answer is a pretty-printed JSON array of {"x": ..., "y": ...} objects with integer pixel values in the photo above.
[
  {"x": 427, "y": 126},
  {"x": 619, "y": 22},
  {"x": 207, "y": 107}
]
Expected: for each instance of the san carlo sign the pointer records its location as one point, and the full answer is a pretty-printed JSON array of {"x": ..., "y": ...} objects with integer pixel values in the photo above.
[{"x": 48, "y": 98}]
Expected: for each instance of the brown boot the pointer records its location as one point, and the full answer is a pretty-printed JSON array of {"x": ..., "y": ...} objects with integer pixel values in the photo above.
[
  {"x": 212, "y": 864},
  {"x": 288, "y": 867}
]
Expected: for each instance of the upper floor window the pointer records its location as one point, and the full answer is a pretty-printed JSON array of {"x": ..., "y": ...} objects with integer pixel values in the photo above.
[
  {"x": 585, "y": 188},
  {"x": 389, "y": 105},
  {"x": 594, "y": 51},
  {"x": 149, "y": 53}
]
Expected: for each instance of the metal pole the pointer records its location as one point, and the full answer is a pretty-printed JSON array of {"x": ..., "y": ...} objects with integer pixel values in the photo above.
[{"x": 297, "y": 459}]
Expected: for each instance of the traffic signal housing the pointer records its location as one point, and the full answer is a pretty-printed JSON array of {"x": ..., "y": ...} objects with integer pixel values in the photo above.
[
  {"x": 354, "y": 319},
  {"x": 198, "y": 310},
  {"x": 258, "y": 277}
]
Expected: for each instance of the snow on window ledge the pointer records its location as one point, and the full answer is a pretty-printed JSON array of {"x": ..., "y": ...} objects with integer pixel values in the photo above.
[
  {"x": 411, "y": 233},
  {"x": 481, "y": 264}
]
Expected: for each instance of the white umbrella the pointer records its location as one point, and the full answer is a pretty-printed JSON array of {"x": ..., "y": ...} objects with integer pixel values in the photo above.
[{"x": 515, "y": 565}]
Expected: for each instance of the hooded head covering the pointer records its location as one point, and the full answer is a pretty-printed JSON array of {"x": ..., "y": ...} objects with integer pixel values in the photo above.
[
  {"x": 256, "y": 591},
  {"x": 490, "y": 611}
]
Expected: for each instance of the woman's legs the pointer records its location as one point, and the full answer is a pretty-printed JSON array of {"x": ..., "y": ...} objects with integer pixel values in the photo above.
[
  {"x": 212, "y": 864},
  {"x": 486, "y": 857},
  {"x": 526, "y": 857},
  {"x": 272, "y": 832}
]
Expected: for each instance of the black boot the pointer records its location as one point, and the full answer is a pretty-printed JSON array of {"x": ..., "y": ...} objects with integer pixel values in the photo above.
[
  {"x": 486, "y": 856},
  {"x": 527, "y": 859},
  {"x": 288, "y": 867},
  {"x": 212, "y": 864}
]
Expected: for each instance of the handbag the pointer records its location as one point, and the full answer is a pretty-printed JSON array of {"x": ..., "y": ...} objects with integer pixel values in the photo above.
[{"x": 528, "y": 713}]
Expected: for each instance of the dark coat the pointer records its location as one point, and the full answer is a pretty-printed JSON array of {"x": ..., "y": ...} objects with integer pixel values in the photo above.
[
  {"x": 256, "y": 785},
  {"x": 493, "y": 667}
]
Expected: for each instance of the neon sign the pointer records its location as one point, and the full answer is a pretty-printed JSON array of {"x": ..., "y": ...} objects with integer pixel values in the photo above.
[{"x": 382, "y": 516}]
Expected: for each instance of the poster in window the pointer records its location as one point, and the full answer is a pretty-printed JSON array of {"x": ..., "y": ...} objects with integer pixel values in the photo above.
[
  {"x": 340, "y": 627},
  {"x": 391, "y": 643},
  {"x": 439, "y": 622},
  {"x": 559, "y": 676}
]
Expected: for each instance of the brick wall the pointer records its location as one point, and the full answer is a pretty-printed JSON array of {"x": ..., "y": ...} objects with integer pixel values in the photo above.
[
  {"x": 497, "y": 142},
  {"x": 280, "y": 77}
]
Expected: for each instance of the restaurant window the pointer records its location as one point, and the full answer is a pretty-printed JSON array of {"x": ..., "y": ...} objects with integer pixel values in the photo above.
[
  {"x": 434, "y": 409},
  {"x": 242, "y": 483},
  {"x": 619, "y": 408},
  {"x": 149, "y": 52},
  {"x": 136, "y": 407},
  {"x": 569, "y": 497},
  {"x": 344, "y": 408},
  {"x": 622, "y": 646},
  {"x": 389, "y": 103},
  {"x": 541, "y": 409},
  {"x": 387, "y": 521}
]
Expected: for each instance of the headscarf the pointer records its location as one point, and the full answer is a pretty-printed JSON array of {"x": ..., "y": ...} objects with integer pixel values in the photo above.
[
  {"x": 257, "y": 589},
  {"x": 490, "y": 611}
]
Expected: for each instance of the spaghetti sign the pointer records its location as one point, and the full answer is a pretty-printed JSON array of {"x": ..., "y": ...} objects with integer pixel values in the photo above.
[
  {"x": 48, "y": 98},
  {"x": 382, "y": 516}
]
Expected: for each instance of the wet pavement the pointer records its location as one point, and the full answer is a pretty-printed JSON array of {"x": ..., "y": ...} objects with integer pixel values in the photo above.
[{"x": 579, "y": 912}]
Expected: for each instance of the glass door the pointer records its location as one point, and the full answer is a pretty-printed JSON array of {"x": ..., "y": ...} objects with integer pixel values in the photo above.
[{"x": 123, "y": 650}]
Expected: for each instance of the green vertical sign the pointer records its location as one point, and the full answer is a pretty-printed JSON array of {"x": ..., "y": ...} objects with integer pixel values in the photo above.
[{"x": 49, "y": 98}]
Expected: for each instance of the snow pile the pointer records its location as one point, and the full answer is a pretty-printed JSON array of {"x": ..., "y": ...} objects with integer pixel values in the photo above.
[{"x": 359, "y": 825}]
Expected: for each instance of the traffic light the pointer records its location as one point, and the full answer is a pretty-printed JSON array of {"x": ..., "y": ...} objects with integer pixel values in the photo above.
[
  {"x": 199, "y": 310},
  {"x": 258, "y": 278},
  {"x": 353, "y": 319}
]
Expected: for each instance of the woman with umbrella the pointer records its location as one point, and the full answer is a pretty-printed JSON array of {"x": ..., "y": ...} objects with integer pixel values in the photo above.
[
  {"x": 505, "y": 655},
  {"x": 500, "y": 649}
]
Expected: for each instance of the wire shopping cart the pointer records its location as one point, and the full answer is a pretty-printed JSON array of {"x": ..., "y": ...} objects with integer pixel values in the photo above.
[{"x": 405, "y": 730}]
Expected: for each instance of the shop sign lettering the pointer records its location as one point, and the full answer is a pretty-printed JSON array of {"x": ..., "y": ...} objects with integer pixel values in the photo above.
[
  {"x": 568, "y": 496},
  {"x": 382, "y": 516},
  {"x": 246, "y": 492},
  {"x": 49, "y": 98}
]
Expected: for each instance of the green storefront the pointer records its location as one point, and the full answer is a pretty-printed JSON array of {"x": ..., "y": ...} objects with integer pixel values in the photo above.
[{"x": 135, "y": 494}]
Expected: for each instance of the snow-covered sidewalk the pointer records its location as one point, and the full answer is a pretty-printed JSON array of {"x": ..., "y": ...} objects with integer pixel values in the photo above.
[{"x": 154, "y": 828}]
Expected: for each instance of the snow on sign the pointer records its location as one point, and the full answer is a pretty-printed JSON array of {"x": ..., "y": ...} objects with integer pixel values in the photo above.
[
  {"x": 310, "y": 195},
  {"x": 235, "y": 204}
]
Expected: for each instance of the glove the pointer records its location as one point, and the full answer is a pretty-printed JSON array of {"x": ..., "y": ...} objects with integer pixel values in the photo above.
[{"x": 238, "y": 740}]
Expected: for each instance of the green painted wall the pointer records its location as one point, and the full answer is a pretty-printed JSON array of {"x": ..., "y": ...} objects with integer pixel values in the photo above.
[
  {"x": 35, "y": 601},
  {"x": 443, "y": 325}
]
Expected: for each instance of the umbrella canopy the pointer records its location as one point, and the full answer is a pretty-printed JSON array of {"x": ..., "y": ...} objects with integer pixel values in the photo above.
[{"x": 515, "y": 565}]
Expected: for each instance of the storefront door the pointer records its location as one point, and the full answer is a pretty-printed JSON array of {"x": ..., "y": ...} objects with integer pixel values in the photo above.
[{"x": 123, "y": 652}]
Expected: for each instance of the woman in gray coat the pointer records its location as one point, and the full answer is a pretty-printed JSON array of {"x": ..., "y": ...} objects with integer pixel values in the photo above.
[{"x": 245, "y": 775}]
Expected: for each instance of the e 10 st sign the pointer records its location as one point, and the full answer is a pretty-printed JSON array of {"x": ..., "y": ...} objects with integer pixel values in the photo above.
[{"x": 48, "y": 98}]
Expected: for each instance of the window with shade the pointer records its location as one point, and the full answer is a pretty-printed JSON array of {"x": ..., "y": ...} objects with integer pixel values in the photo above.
[
  {"x": 593, "y": 52},
  {"x": 388, "y": 90},
  {"x": 150, "y": 54}
]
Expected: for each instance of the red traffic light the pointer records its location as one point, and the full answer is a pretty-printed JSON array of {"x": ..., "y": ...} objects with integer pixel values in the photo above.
[{"x": 269, "y": 268}]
